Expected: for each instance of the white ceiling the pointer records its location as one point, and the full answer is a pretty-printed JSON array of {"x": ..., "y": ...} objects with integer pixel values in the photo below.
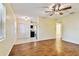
[
  {"x": 29, "y": 9},
  {"x": 35, "y": 9}
]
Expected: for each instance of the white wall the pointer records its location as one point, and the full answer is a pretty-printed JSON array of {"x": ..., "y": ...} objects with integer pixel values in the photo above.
[
  {"x": 71, "y": 28},
  {"x": 8, "y": 42},
  {"x": 46, "y": 28}
]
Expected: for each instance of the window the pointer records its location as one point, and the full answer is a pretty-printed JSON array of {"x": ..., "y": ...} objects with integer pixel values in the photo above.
[{"x": 2, "y": 18}]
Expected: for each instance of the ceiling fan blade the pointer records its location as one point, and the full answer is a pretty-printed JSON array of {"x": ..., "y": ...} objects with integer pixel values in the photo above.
[
  {"x": 66, "y": 8},
  {"x": 51, "y": 14},
  {"x": 61, "y": 13}
]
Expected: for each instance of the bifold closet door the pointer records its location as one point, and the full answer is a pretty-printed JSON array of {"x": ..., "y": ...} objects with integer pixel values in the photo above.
[{"x": 23, "y": 31}]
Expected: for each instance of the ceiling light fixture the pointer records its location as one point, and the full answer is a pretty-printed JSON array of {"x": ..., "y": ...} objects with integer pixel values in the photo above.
[
  {"x": 24, "y": 17},
  {"x": 58, "y": 8}
]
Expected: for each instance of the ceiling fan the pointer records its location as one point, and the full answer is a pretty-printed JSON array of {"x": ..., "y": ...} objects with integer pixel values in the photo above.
[{"x": 58, "y": 8}]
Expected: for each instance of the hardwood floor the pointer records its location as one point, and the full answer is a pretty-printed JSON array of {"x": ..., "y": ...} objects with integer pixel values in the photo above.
[{"x": 45, "y": 48}]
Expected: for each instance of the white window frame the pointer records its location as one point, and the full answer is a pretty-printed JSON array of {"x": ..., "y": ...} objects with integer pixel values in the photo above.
[{"x": 3, "y": 37}]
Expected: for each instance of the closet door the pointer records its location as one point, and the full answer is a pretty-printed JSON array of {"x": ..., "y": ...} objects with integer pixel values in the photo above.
[{"x": 23, "y": 31}]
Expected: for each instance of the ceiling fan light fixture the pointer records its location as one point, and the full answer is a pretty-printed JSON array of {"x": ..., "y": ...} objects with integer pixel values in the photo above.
[
  {"x": 57, "y": 13},
  {"x": 58, "y": 8}
]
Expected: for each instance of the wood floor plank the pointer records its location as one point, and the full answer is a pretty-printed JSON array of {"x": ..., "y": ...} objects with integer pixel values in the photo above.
[{"x": 45, "y": 48}]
